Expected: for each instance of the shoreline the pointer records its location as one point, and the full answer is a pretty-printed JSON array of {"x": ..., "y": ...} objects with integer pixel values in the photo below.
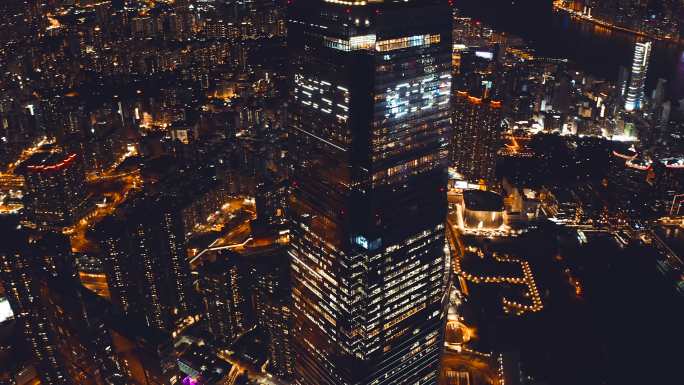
[{"x": 558, "y": 7}]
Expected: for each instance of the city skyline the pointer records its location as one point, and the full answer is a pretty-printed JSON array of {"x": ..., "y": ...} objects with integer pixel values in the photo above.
[{"x": 332, "y": 192}]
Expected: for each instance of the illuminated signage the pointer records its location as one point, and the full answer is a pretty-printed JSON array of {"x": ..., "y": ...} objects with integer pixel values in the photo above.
[{"x": 366, "y": 244}]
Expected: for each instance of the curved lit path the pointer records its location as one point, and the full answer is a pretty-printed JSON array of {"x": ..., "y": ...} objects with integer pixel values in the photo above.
[{"x": 527, "y": 278}]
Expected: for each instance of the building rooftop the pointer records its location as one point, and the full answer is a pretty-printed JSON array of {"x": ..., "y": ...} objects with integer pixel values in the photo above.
[
  {"x": 202, "y": 366},
  {"x": 478, "y": 200},
  {"x": 47, "y": 161}
]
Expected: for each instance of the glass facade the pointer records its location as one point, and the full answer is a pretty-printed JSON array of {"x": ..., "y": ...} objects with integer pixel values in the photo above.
[
  {"x": 369, "y": 128},
  {"x": 635, "y": 91}
]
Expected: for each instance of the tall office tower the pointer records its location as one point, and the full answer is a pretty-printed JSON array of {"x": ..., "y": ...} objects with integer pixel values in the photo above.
[
  {"x": 635, "y": 91},
  {"x": 145, "y": 259},
  {"x": 369, "y": 127},
  {"x": 55, "y": 189},
  {"x": 18, "y": 270},
  {"x": 477, "y": 135}
]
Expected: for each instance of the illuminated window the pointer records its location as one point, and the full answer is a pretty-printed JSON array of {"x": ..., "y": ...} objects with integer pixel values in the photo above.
[
  {"x": 407, "y": 42},
  {"x": 354, "y": 43}
]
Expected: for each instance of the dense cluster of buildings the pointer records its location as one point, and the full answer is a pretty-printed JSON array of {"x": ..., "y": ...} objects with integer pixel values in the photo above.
[{"x": 241, "y": 192}]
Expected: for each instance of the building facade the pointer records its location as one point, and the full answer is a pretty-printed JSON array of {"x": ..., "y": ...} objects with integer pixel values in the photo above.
[
  {"x": 477, "y": 137},
  {"x": 281, "y": 354},
  {"x": 55, "y": 193},
  {"x": 146, "y": 263},
  {"x": 19, "y": 269},
  {"x": 635, "y": 91},
  {"x": 218, "y": 291},
  {"x": 369, "y": 128}
]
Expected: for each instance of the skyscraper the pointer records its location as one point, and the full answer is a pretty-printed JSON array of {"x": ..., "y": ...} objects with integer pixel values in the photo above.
[
  {"x": 369, "y": 127},
  {"x": 218, "y": 290},
  {"x": 19, "y": 266},
  {"x": 635, "y": 91},
  {"x": 146, "y": 263},
  {"x": 269, "y": 270},
  {"x": 281, "y": 355},
  {"x": 477, "y": 136},
  {"x": 273, "y": 306},
  {"x": 249, "y": 288},
  {"x": 78, "y": 318}
]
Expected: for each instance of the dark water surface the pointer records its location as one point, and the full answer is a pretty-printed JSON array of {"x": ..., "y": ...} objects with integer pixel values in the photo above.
[{"x": 594, "y": 49}]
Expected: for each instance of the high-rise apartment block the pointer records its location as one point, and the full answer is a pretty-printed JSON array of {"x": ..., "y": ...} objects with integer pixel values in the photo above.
[
  {"x": 55, "y": 193},
  {"x": 148, "y": 272},
  {"x": 477, "y": 137}
]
